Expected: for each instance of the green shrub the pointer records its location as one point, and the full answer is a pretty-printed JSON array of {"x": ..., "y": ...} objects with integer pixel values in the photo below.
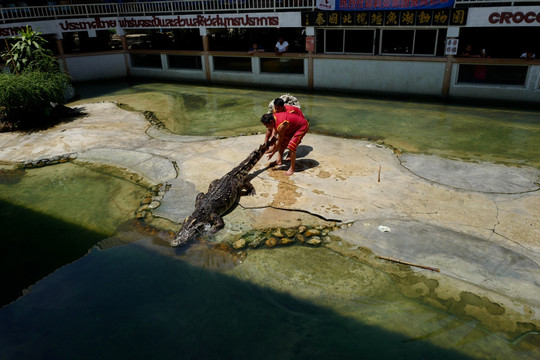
[
  {"x": 26, "y": 99},
  {"x": 36, "y": 83}
]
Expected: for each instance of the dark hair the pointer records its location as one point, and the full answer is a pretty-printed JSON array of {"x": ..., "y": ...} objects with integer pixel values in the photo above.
[
  {"x": 267, "y": 118},
  {"x": 279, "y": 102}
]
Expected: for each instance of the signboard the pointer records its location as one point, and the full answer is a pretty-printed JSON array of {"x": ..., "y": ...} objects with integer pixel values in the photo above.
[
  {"x": 441, "y": 17},
  {"x": 254, "y": 20},
  {"x": 451, "y": 47},
  {"x": 310, "y": 43},
  {"x": 515, "y": 16},
  {"x": 356, "y": 5}
]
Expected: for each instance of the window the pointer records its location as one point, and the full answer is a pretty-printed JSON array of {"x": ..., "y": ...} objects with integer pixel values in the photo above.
[
  {"x": 349, "y": 41},
  {"x": 185, "y": 62},
  {"x": 492, "y": 74},
  {"x": 397, "y": 42},
  {"x": 333, "y": 41},
  {"x": 232, "y": 63},
  {"x": 425, "y": 42},
  {"x": 287, "y": 66},
  {"x": 146, "y": 60},
  {"x": 413, "y": 42},
  {"x": 359, "y": 41}
]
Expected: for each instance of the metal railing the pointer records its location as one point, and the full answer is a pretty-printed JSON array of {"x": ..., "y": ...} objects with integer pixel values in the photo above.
[
  {"x": 494, "y": 2},
  {"x": 14, "y": 14}
]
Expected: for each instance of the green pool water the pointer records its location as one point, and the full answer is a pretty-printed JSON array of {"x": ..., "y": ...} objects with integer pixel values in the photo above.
[
  {"x": 53, "y": 215},
  {"x": 507, "y": 135},
  {"x": 144, "y": 301}
]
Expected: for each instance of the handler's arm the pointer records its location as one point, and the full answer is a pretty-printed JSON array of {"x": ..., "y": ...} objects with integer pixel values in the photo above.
[
  {"x": 268, "y": 135},
  {"x": 281, "y": 131}
]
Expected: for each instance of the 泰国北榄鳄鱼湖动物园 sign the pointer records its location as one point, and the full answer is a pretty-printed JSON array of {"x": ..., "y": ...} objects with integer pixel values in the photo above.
[{"x": 425, "y": 17}]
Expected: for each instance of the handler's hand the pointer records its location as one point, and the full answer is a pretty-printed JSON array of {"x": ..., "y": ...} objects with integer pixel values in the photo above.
[{"x": 272, "y": 152}]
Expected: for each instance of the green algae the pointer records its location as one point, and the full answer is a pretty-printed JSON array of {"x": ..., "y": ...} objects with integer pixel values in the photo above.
[
  {"x": 53, "y": 215},
  {"x": 502, "y": 135}
]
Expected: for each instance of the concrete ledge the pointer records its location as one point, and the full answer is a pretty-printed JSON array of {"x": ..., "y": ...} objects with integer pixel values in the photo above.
[
  {"x": 473, "y": 176},
  {"x": 459, "y": 255},
  {"x": 153, "y": 168}
]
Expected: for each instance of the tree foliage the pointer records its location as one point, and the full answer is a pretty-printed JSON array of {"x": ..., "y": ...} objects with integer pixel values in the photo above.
[
  {"x": 36, "y": 84},
  {"x": 29, "y": 52}
]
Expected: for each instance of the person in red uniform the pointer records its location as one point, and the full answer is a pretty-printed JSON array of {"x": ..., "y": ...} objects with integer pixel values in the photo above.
[
  {"x": 279, "y": 106},
  {"x": 290, "y": 129}
]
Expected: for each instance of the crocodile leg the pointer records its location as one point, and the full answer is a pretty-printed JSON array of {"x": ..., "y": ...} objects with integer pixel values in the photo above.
[
  {"x": 218, "y": 223},
  {"x": 249, "y": 188},
  {"x": 199, "y": 199}
]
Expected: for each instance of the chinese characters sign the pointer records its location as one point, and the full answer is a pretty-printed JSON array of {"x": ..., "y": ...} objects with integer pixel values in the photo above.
[
  {"x": 451, "y": 47},
  {"x": 437, "y": 17},
  {"x": 355, "y": 5}
]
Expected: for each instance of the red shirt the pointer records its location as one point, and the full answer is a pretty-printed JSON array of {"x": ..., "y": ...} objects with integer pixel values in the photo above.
[
  {"x": 296, "y": 122},
  {"x": 294, "y": 110}
]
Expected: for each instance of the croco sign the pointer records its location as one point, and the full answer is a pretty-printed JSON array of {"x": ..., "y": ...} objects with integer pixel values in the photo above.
[
  {"x": 508, "y": 17},
  {"x": 504, "y": 16}
]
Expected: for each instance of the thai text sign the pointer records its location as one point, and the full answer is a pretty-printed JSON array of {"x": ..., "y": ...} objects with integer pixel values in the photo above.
[
  {"x": 440, "y": 17},
  {"x": 172, "y": 22},
  {"x": 11, "y": 31},
  {"x": 355, "y": 5},
  {"x": 255, "y": 20}
]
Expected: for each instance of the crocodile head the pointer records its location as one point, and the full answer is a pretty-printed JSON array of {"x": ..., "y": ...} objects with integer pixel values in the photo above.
[{"x": 191, "y": 228}]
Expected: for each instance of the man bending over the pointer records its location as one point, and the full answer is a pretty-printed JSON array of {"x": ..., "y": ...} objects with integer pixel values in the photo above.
[
  {"x": 290, "y": 129},
  {"x": 279, "y": 106}
]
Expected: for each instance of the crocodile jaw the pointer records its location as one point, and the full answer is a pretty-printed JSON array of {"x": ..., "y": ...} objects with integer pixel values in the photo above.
[{"x": 189, "y": 230}]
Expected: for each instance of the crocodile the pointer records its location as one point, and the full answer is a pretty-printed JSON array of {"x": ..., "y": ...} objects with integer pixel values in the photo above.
[{"x": 221, "y": 196}]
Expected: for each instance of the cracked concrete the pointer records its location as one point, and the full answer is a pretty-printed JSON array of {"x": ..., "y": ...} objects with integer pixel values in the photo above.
[{"x": 478, "y": 222}]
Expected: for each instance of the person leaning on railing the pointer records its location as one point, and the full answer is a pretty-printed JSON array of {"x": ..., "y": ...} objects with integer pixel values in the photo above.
[
  {"x": 255, "y": 48},
  {"x": 282, "y": 46}
]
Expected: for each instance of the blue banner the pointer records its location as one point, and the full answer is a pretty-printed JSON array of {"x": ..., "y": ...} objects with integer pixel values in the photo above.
[{"x": 363, "y": 5}]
